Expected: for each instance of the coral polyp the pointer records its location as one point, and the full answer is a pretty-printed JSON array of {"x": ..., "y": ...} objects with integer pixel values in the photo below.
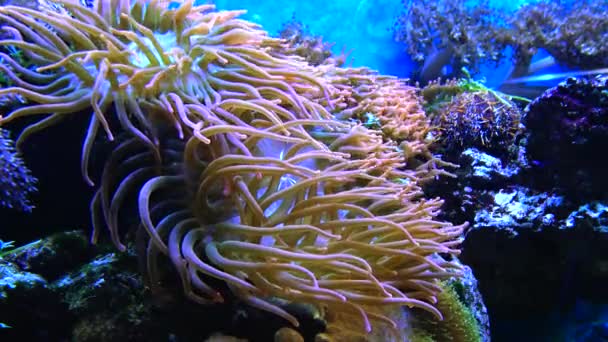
[{"x": 241, "y": 171}]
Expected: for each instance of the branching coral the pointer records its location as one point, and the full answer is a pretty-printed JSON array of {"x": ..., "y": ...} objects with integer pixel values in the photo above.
[
  {"x": 300, "y": 42},
  {"x": 458, "y": 34},
  {"x": 241, "y": 171},
  {"x": 450, "y": 33},
  {"x": 572, "y": 32}
]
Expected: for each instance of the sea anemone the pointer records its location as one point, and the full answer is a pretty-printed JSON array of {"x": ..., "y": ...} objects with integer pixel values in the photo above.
[{"x": 241, "y": 171}]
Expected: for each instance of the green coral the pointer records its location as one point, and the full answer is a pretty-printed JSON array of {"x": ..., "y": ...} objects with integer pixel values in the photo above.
[
  {"x": 419, "y": 335},
  {"x": 467, "y": 84},
  {"x": 458, "y": 324}
]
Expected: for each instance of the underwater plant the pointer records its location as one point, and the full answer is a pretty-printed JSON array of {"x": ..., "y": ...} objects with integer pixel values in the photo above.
[{"x": 241, "y": 170}]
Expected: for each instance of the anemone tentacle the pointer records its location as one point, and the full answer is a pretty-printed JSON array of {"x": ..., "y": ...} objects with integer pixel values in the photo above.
[{"x": 270, "y": 189}]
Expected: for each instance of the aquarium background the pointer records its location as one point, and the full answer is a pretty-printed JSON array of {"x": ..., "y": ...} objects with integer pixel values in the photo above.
[{"x": 571, "y": 267}]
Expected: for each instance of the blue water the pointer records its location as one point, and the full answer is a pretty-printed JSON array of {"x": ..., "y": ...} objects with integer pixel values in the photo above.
[{"x": 362, "y": 26}]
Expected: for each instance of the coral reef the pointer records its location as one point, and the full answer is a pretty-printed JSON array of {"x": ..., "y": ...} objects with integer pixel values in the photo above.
[
  {"x": 245, "y": 180},
  {"x": 16, "y": 180},
  {"x": 544, "y": 203}
]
